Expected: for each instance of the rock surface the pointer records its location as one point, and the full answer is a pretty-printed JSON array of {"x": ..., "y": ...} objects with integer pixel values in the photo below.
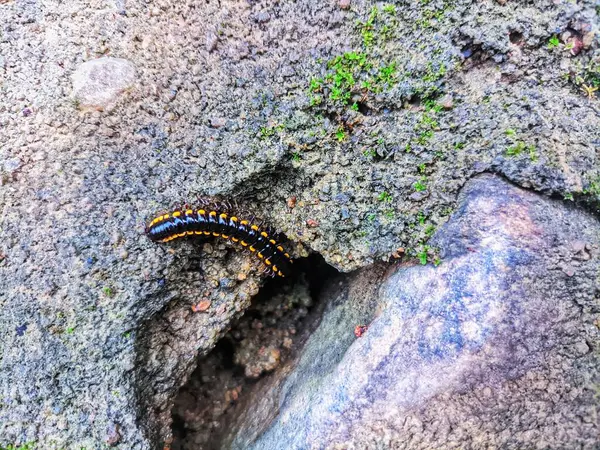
[
  {"x": 99, "y": 82},
  {"x": 496, "y": 347},
  {"x": 239, "y": 99}
]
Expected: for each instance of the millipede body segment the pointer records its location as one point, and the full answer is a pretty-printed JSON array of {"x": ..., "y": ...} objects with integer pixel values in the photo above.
[{"x": 207, "y": 222}]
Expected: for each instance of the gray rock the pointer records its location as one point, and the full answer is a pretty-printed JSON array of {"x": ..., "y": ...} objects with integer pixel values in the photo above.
[
  {"x": 99, "y": 83},
  {"x": 489, "y": 349},
  {"x": 97, "y": 332}
]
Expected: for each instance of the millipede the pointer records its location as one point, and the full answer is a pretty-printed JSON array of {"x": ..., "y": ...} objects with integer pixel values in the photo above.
[{"x": 219, "y": 221}]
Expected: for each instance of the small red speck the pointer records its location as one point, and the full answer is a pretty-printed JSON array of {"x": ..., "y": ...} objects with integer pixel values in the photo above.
[
  {"x": 202, "y": 306},
  {"x": 312, "y": 223},
  {"x": 359, "y": 330}
]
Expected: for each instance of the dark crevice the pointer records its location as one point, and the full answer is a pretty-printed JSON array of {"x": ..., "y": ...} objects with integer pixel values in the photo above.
[
  {"x": 268, "y": 335},
  {"x": 516, "y": 37}
]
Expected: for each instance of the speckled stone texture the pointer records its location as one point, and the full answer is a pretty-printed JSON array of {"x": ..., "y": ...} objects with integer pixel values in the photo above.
[
  {"x": 97, "y": 331},
  {"x": 98, "y": 83},
  {"x": 494, "y": 348}
]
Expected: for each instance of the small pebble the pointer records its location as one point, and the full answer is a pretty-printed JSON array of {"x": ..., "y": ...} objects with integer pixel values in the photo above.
[
  {"x": 218, "y": 122},
  {"x": 201, "y": 306},
  {"x": 211, "y": 41},
  {"x": 292, "y": 202}
]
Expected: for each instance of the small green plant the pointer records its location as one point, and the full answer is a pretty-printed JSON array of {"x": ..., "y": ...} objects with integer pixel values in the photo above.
[
  {"x": 387, "y": 74},
  {"x": 266, "y": 132},
  {"x": 106, "y": 290},
  {"x": 593, "y": 187},
  {"x": 316, "y": 84},
  {"x": 389, "y": 9},
  {"x": 370, "y": 153},
  {"x": 515, "y": 150},
  {"x": 367, "y": 27},
  {"x": 587, "y": 79},
  {"x": 531, "y": 151},
  {"x": 371, "y": 217},
  {"x": 70, "y": 330},
  {"x": 420, "y": 185},
  {"x": 510, "y": 132},
  {"x": 429, "y": 230},
  {"x": 340, "y": 134},
  {"x": 389, "y": 214},
  {"x": 385, "y": 197},
  {"x": 424, "y": 137},
  {"x": 568, "y": 196},
  {"x": 296, "y": 157},
  {"x": 519, "y": 148},
  {"x": 459, "y": 145},
  {"x": 553, "y": 42},
  {"x": 27, "y": 446},
  {"x": 422, "y": 254}
]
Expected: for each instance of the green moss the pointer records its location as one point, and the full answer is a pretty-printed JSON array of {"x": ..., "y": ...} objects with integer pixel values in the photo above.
[
  {"x": 27, "y": 446},
  {"x": 421, "y": 184},
  {"x": 593, "y": 187},
  {"x": 106, "y": 290},
  {"x": 340, "y": 134},
  {"x": 519, "y": 148},
  {"x": 422, "y": 254},
  {"x": 553, "y": 42},
  {"x": 389, "y": 214},
  {"x": 587, "y": 78},
  {"x": 384, "y": 197},
  {"x": 348, "y": 74},
  {"x": 370, "y": 153},
  {"x": 268, "y": 131}
]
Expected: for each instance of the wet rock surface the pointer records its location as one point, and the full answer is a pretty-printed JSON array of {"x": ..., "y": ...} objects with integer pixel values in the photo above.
[
  {"x": 494, "y": 347},
  {"x": 251, "y": 101}
]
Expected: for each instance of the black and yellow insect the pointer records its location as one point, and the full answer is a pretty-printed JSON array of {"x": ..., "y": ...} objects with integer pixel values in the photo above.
[{"x": 216, "y": 222}]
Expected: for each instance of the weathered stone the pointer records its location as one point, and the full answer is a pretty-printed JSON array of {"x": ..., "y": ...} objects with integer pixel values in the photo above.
[
  {"x": 99, "y": 83},
  {"x": 489, "y": 349}
]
